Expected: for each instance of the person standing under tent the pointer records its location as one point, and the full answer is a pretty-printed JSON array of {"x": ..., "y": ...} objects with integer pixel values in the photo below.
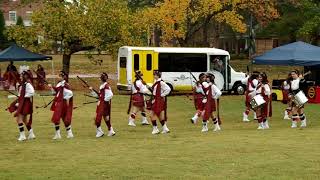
[
  {"x": 62, "y": 106},
  {"x": 41, "y": 78},
  {"x": 159, "y": 104},
  {"x": 138, "y": 89}
]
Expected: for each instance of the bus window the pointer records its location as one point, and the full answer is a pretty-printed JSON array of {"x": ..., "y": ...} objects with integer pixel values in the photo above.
[
  {"x": 136, "y": 64},
  {"x": 123, "y": 62},
  {"x": 182, "y": 62},
  {"x": 218, "y": 63},
  {"x": 149, "y": 62}
]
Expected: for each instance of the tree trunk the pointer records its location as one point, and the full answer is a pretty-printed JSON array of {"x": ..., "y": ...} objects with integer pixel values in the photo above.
[
  {"x": 205, "y": 42},
  {"x": 66, "y": 62}
]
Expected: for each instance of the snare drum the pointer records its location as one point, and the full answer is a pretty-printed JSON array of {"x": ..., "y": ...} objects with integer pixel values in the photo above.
[
  {"x": 257, "y": 101},
  {"x": 300, "y": 99}
]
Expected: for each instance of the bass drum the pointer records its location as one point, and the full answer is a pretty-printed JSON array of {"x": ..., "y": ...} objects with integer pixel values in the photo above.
[{"x": 219, "y": 80}]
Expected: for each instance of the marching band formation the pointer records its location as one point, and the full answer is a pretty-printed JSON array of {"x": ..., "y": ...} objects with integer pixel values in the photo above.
[{"x": 153, "y": 99}]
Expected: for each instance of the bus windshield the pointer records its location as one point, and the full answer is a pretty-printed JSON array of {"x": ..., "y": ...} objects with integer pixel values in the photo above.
[{"x": 182, "y": 62}]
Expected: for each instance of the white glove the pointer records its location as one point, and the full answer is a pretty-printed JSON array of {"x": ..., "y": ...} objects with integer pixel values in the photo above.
[{"x": 17, "y": 104}]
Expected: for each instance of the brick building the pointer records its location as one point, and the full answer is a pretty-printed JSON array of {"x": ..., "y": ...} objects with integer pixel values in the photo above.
[{"x": 12, "y": 9}]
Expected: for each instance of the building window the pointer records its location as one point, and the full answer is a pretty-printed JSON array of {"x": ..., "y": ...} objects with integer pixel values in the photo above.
[
  {"x": 28, "y": 15},
  {"x": 12, "y": 16}
]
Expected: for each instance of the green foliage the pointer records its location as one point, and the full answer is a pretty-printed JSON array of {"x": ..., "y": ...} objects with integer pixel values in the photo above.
[
  {"x": 19, "y": 21},
  {"x": 90, "y": 25},
  {"x": 298, "y": 21},
  {"x": 3, "y": 39}
]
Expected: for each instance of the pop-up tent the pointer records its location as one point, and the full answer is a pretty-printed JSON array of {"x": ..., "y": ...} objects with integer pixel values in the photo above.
[
  {"x": 16, "y": 53},
  {"x": 294, "y": 54}
]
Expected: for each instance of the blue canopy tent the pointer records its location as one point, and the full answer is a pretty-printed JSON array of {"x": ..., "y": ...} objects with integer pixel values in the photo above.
[
  {"x": 294, "y": 54},
  {"x": 17, "y": 53}
]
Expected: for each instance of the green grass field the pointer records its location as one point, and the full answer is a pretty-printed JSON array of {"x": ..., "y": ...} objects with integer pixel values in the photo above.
[{"x": 239, "y": 151}]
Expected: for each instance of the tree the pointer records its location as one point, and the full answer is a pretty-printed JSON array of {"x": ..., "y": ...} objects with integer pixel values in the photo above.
[
  {"x": 19, "y": 21},
  {"x": 300, "y": 20},
  {"x": 79, "y": 26},
  {"x": 179, "y": 20},
  {"x": 3, "y": 39}
]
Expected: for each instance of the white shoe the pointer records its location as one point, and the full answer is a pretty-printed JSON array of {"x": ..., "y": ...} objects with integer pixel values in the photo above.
[
  {"x": 111, "y": 132},
  {"x": 217, "y": 127},
  {"x": 204, "y": 127},
  {"x": 155, "y": 130},
  {"x": 294, "y": 124},
  {"x": 286, "y": 115},
  {"x": 303, "y": 124},
  {"x": 31, "y": 135},
  {"x": 266, "y": 125},
  {"x": 69, "y": 134},
  {"x": 22, "y": 136},
  {"x": 57, "y": 135},
  {"x": 245, "y": 118},
  {"x": 255, "y": 115},
  {"x": 131, "y": 123},
  {"x": 99, "y": 133},
  {"x": 165, "y": 129},
  {"x": 145, "y": 121},
  {"x": 260, "y": 127},
  {"x": 194, "y": 119}
]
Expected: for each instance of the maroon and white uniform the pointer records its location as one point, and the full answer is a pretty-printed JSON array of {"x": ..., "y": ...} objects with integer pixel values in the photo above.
[
  {"x": 160, "y": 91},
  {"x": 138, "y": 89},
  {"x": 199, "y": 95},
  {"x": 61, "y": 109},
  {"x": 251, "y": 88},
  {"x": 104, "y": 104},
  {"x": 212, "y": 93},
  {"x": 265, "y": 110}
]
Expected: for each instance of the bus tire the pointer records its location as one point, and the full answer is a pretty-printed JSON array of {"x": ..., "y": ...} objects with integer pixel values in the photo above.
[
  {"x": 239, "y": 89},
  {"x": 274, "y": 97}
]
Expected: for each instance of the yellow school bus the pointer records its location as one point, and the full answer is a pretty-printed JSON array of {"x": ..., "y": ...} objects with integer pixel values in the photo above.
[{"x": 176, "y": 65}]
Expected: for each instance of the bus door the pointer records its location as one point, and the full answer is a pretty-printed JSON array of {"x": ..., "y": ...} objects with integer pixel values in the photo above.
[
  {"x": 146, "y": 62},
  {"x": 220, "y": 63}
]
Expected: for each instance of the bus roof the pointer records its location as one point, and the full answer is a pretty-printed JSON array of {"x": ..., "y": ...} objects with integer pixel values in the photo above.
[{"x": 178, "y": 50}]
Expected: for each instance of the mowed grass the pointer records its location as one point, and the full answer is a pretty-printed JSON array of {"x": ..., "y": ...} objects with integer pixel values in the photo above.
[{"x": 239, "y": 151}]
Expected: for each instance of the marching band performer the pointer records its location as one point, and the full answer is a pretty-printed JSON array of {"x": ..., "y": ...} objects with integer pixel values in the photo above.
[
  {"x": 159, "y": 104},
  {"x": 62, "y": 105},
  {"x": 251, "y": 82},
  {"x": 297, "y": 112},
  {"x": 104, "y": 107},
  {"x": 138, "y": 100},
  {"x": 265, "y": 110},
  {"x": 212, "y": 94},
  {"x": 199, "y": 95},
  {"x": 286, "y": 100},
  {"x": 23, "y": 107}
]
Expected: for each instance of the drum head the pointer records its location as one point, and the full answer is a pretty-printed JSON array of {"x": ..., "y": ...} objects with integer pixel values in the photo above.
[{"x": 219, "y": 80}]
